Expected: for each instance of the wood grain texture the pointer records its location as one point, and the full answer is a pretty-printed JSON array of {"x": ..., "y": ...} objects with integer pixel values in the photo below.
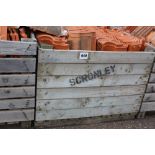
[
  {"x": 152, "y": 78},
  {"x": 16, "y": 92},
  {"x": 148, "y": 106},
  {"x": 16, "y": 65},
  {"x": 17, "y": 79},
  {"x": 72, "y": 56},
  {"x": 16, "y": 115},
  {"x": 17, "y": 103},
  {"x": 150, "y": 88},
  {"x": 85, "y": 112},
  {"x": 81, "y": 69},
  {"x": 17, "y": 48},
  {"x": 116, "y": 80},
  {"x": 153, "y": 68},
  {"x": 59, "y": 104},
  {"x": 89, "y": 92},
  {"x": 149, "y": 97}
]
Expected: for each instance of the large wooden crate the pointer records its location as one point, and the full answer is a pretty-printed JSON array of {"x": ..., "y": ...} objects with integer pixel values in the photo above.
[
  {"x": 107, "y": 83},
  {"x": 148, "y": 103},
  {"x": 17, "y": 81}
]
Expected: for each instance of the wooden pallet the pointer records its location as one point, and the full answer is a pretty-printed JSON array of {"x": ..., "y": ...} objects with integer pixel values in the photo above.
[
  {"x": 148, "y": 104},
  {"x": 69, "y": 87},
  {"x": 17, "y": 81},
  {"x": 76, "y": 122}
]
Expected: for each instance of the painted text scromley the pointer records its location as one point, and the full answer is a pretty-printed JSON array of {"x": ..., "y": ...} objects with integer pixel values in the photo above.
[{"x": 92, "y": 75}]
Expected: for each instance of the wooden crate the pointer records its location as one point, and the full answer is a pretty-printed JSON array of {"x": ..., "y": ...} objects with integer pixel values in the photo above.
[
  {"x": 148, "y": 103},
  {"x": 68, "y": 87},
  {"x": 17, "y": 81}
]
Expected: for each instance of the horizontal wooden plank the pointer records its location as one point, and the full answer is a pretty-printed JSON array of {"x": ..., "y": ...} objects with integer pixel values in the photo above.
[
  {"x": 72, "y": 56},
  {"x": 81, "y": 69},
  {"x": 153, "y": 68},
  {"x": 17, "y": 48},
  {"x": 17, "y": 103},
  {"x": 76, "y": 81},
  {"x": 89, "y": 92},
  {"x": 16, "y": 115},
  {"x": 148, "y": 106},
  {"x": 17, "y": 79},
  {"x": 152, "y": 78},
  {"x": 16, "y": 92},
  {"x": 85, "y": 112},
  {"x": 14, "y": 65},
  {"x": 151, "y": 88},
  {"x": 149, "y": 97},
  {"x": 87, "y": 102}
]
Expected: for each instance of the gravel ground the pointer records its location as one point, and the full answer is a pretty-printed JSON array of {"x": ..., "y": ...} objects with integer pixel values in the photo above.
[{"x": 145, "y": 123}]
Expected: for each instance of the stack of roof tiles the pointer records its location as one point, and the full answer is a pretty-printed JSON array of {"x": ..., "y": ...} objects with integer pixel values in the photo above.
[
  {"x": 3, "y": 32},
  {"x": 54, "y": 41},
  {"x": 92, "y": 38},
  {"x": 142, "y": 31},
  {"x": 103, "y": 39},
  {"x": 81, "y": 38}
]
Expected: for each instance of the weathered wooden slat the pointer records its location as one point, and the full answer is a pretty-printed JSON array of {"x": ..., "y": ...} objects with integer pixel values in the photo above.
[
  {"x": 13, "y": 65},
  {"x": 89, "y": 92},
  {"x": 17, "y": 103},
  {"x": 152, "y": 78},
  {"x": 17, "y": 48},
  {"x": 87, "y": 102},
  {"x": 149, "y": 97},
  {"x": 85, "y": 112},
  {"x": 64, "y": 81},
  {"x": 57, "y": 56},
  {"x": 81, "y": 69},
  {"x": 16, "y": 92},
  {"x": 17, "y": 79},
  {"x": 153, "y": 68},
  {"x": 148, "y": 106},
  {"x": 151, "y": 88},
  {"x": 16, "y": 115}
]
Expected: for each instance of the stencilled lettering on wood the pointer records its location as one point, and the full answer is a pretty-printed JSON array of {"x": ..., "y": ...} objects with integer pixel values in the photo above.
[{"x": 92, "y": 75}]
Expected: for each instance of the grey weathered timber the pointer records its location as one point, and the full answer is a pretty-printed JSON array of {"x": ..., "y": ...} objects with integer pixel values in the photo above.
[
  {"x": 152, "y": 78},
  {"x": 148, "y": 106},
  {"x": 17, "y": 79},
  {"x": 149, "y": 97},
  {"x": 89, "y": 92},
  {"x": 153, "y": 68},
  {"x": 80, "y": 69},
  {"x": 85, "y": 112},
  {"x": 16, "y": 65},
  {"x": 17, "y": 48},
  {"x": 115, "y": 80},
  {"x": 54, "y": 30},
  {"x": 149, "y": 47},
  {"x": 59, "y": 104},
  {"x": 16, "y": 115},
  {"x": 16, "y": 92},
  {"x": 72, "y": 56},
  {"x": 17, "y": 103},
  {"x": 117, "y": 91},
  {"x": 150, "y": 88},
  {"x": 148, "y": 103}
]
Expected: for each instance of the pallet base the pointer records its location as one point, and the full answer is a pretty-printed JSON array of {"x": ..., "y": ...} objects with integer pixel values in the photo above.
[
  {"x": 83, "y": 121},
  {"x": 17, "y": 125},
  {"x": 145, "y": 114}
]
